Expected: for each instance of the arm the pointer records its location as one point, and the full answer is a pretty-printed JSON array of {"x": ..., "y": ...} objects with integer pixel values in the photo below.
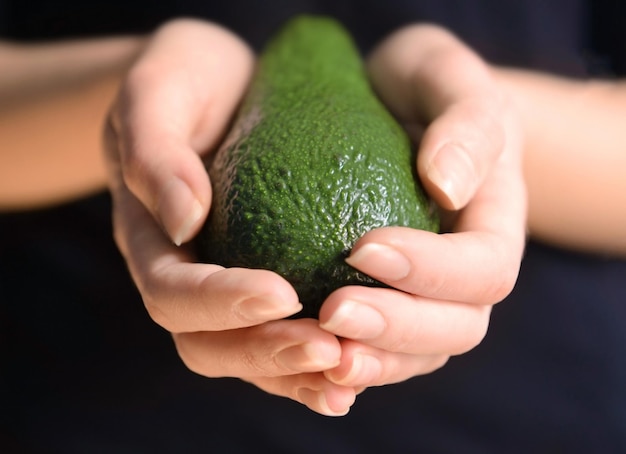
[
  {"x": 53, "y": 100},
  {"x": 575, "y": 158}
]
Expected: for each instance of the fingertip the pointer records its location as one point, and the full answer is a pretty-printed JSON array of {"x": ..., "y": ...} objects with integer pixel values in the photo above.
[
  {"x": 179, "y": 211},
  {"x": 380, "y": 261},
  {"x": 334, "y": 401},
  {"x": 363, "y": 370},
  {"x": 451, "y": 177}
]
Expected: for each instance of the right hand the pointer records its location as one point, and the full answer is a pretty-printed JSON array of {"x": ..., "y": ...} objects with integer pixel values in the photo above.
[{"x": 175, "y": 105}]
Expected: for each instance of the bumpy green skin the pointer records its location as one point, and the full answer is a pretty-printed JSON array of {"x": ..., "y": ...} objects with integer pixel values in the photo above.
[{"x": 313, "y": 162}]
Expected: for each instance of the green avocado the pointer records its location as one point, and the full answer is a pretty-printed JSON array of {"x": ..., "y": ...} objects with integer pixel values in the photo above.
[{"x": 312, "y": 162}]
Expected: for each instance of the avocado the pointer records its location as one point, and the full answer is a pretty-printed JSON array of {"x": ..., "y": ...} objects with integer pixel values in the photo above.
[{"x": 313, "y": 161}]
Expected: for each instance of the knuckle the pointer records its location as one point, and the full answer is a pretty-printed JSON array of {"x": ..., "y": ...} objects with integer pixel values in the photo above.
[
  {"x": 417, "y": 365},
  {"x": 502, "y": 276},
  {"x": 426, "y": 282},
  {"x": 190, "y": 360},
  {"x": 119, "y": 237},
  {"x": 155, "y": 312},
  {"x": 154, "y": 307},
  {"x": 133, "y": 155},
  {"x": 506, "y": 285},
  {"x": 254, "y": 355},
  {"x": 254, "y": 366},
  {"x": 407, "y": 339},
  {"x": 137, "y": 77},
  {"x": 507, "y": 278},
  {"x": 476, "y": 331},
  {"x": 436, "y": 363},
  {"x": 199, "y": 357},
  {"x": 110, "y": 141},
  {"x": 132, "y": 165},
  {"x": 473, "y": 340}
]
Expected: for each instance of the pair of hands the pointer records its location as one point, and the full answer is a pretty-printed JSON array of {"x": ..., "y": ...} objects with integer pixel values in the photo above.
[{"x": 176, "y": 103}]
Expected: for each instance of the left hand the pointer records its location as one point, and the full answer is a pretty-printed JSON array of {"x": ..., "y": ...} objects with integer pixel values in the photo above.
[
  {"x": 174, "y": 104},
  {"x": 444, "y": 285}
]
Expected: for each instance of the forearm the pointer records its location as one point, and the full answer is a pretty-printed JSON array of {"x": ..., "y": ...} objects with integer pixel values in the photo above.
[
  {"x": 53, "y": 100},
  {"x": 575, "y": 159}
]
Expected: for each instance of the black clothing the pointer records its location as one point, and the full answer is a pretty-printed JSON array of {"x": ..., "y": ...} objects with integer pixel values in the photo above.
[{"x": 84, "y": 370}]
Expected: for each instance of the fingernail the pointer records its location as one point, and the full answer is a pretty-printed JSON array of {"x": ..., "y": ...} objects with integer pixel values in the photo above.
[
  {"x": 309, "y": 357},
  {"x": 179, "y": 210},
  {"x": 380, "y": 262},
  {"x": 307, "y": 396},
  {"x": 355, "y": 320},
  {"x": 365, "y": 370},
  {"x": 453, "y": 172},
  {"x": 264, "y": 309}
]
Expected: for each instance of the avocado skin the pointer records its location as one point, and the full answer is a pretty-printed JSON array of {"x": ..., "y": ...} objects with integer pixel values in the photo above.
[{"x": 312, "y": 162}]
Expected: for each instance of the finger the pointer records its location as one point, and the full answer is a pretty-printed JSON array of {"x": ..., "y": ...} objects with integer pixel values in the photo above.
[
  {"x": 471, "y": 266},
  {"x": 283, "y": 347},
  {"x": 416, "y": 72},
  {"x": 364, "y": 365},
  {"x": 312, "y": 390},
  {"x": 175, "y": 103},
  {"x": 459, "y": 149},
  {"x": 398, "y": 322},
  {"x": 184, "y": 296},
  {"x": 478, "y": 262}
]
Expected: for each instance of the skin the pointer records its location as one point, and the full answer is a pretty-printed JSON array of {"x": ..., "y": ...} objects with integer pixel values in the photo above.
[
  {"x": 216, "y": 328},
  {"x": 63, "y": 92},
  {"x": 581, "y": 150},
  {"x": 173, "y": 106}
]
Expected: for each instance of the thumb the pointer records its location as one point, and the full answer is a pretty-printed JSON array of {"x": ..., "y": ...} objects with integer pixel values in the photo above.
[
  {"x": 429, "y": 79},
  {"x": 458, "y": 150},
  {"x": 174, "y": 104}
]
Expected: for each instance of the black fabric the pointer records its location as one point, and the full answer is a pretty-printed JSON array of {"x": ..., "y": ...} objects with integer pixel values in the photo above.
[
  {"x": 608, "y": 31},
  {"x": 84, "y": 370},
  {"x": 536, "y": 33}
]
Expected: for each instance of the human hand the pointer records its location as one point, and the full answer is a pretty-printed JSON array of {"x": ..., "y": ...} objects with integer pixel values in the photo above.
[
  {"x": 469, "y": 160},
  {"x": 175, "y": 105}
]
